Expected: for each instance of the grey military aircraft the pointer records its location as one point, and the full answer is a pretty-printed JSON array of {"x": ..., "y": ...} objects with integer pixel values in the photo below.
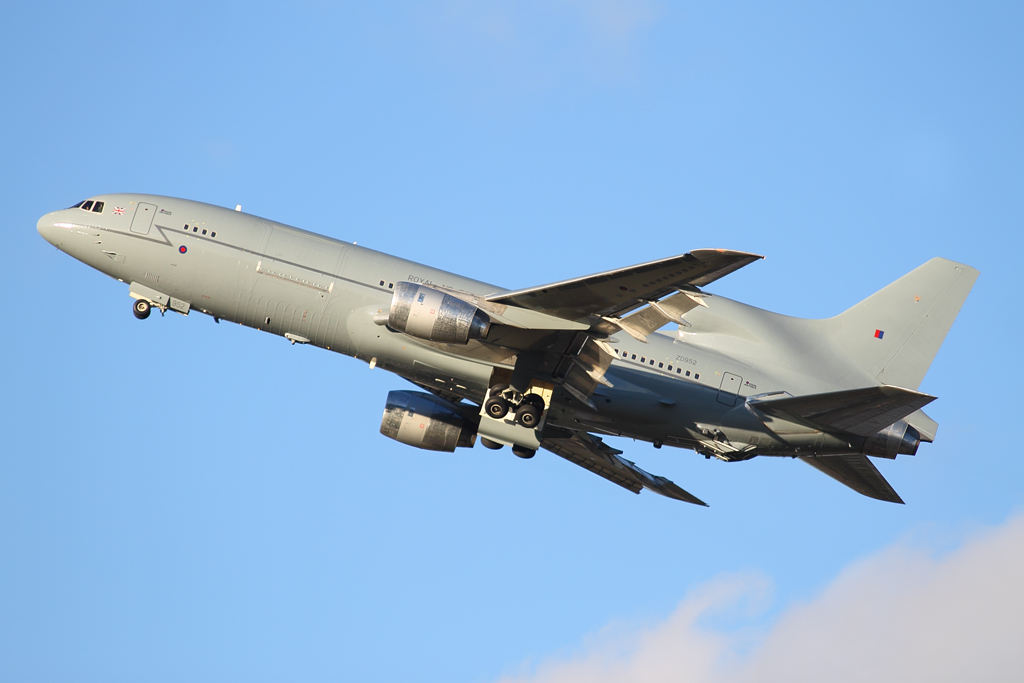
[{"x": 558, "y": 366}]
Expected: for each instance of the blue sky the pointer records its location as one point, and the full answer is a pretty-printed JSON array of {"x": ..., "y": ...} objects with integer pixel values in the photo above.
[{"x": 185, "y": 499}]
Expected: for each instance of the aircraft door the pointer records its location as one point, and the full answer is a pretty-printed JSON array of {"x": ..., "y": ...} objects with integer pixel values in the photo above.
[
  {"x": 143, "y": 218},
  {"x": 727, "y": 394}
]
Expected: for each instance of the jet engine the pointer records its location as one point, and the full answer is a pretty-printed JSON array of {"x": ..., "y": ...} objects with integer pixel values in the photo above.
[
  {"x": 896, "y": 439},
  {"x": 430, "y": 314},
  {"x": 425, "y": 421}
]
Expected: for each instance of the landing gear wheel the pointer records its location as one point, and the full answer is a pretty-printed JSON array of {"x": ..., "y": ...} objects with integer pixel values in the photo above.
[
  {"x": 141, "y": 309},
  {"x": 523, "y": 452},
  {"x": 493, "y": 445},
  {"x": 534, "y": 400},
  {"x": 528, "y": 415},
  {"x": 496, "y": 407}
]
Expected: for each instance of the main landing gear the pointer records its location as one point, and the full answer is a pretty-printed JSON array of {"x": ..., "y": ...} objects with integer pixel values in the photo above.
[
  {"x": 141, "y": 308},
  {"x": 528, "y": 411},
  {"x": 523, "y": 452}
]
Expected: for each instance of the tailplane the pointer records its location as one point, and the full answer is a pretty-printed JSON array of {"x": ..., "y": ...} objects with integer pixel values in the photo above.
[{"x": 895, "y": 333}]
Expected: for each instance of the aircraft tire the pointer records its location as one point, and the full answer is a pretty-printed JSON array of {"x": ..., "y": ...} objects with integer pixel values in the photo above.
[
  {"x": 534, "y": 400},
  {"x": 493, "y": 445},
  {"x": 528, "y": 415},
  {"x": 523, "y": 452},
  {"x": 496, "y": 407},
  {"x": 141, "y": 309}
]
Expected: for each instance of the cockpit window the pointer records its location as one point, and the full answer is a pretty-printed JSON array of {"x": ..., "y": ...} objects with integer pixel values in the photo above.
[
  {"x": 78, "y": 205},
  {"x": 97, "y": 207},
  {"x": 87, "y": 206}
]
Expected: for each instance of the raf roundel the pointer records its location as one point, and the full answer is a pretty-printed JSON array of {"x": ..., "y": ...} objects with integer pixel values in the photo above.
[{"x": 183, "y": 249}]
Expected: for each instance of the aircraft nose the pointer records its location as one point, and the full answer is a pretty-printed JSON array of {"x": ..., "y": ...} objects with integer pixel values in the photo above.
[{"x": 47, "y": 229}]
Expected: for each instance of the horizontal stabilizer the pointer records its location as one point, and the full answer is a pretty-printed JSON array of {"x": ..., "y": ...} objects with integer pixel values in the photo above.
[
  {"x": 857, "y": 472},
  {"x": 863, "y": 412},
  {"x": 592, "y": 453}
]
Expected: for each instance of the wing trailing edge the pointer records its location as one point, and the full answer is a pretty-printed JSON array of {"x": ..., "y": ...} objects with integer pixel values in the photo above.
[{"x": 591, "y": 453}]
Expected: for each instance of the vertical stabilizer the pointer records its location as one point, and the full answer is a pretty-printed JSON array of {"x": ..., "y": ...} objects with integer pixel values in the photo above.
[{"x": 895, "y": 333}]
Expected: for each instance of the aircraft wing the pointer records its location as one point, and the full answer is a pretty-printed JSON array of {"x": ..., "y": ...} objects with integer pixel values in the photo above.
[
  {"x": 597, "y": 306},
  {"x": 593, "y": 454},
  {"x": 857, "y": 472},
  {"x": 615, "y": 292},
  {"x": 863, "y": 412}
]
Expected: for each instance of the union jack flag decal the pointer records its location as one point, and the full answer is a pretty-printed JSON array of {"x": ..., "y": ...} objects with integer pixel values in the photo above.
[{"x": 118, "y": 210}]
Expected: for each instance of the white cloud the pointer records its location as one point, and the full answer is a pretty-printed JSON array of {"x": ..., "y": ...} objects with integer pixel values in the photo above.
[{"x": 899, "y": 615}]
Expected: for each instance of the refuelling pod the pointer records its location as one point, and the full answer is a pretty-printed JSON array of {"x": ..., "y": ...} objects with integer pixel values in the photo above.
[
  {"x": 430, "y": 314},
  {"x": 896, "y": 439},
  {"x": 425, "y": 421}
]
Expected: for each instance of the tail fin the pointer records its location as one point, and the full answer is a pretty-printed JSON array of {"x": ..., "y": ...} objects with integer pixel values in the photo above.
[{"x": 895, "y": 333}]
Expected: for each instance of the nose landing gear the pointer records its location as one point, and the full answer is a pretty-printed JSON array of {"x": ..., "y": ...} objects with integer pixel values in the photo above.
[{"x": 141, "y": 309}]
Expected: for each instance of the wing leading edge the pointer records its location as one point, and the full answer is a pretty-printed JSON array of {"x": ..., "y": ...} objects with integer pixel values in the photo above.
[{"x": 616, "y": 292}]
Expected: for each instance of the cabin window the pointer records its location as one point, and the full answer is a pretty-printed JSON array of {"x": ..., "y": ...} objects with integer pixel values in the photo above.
[
  {"x": 87, "y": 206},
  {"x": 213, "y": 234},
  {"x": 652, "y": 361},
  {"x": 670, "y": 368},
  {"x": 679, "y": 371},
  {"x": 195, "y": 229},
  {"x": 697, "y": 376},
  {"x": 97, "y": 207},
  {"x": 643, "y": 359},
  {"x": 204, "y": 231},
  {"x": 661, "y": 365},
  {"x": 687, "y": 373},
  {"x": 186, "y": 227},
  {"x": 381, "y": 283},
  {"x": 634, "y": 357}
]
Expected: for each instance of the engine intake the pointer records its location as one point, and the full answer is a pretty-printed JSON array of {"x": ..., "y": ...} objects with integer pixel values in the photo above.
[
  {"x": 430, "y": 314},
  {"x": 425, "y": 421}
]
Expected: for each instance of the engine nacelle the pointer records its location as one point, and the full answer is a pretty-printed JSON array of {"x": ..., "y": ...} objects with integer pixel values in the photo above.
[
  {"x": 896, "y": 439},
  {"x": 425, "y": 421},
  {"x": 430, "y": 314}
]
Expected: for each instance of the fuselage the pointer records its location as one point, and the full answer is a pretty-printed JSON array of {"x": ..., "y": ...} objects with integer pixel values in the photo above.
[{"x": 686, "y": 389}]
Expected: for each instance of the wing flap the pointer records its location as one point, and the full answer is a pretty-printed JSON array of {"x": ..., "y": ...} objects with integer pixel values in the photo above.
[
  {"x": 657, "y": 314},
  {"x": 857, "y": 472},
  {"x": 591, "y": 453},
  {"x": 863, "y": 412}
]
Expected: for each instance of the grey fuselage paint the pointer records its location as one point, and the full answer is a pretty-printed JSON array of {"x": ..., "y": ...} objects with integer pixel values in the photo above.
[{"x": 290, "y": 282}]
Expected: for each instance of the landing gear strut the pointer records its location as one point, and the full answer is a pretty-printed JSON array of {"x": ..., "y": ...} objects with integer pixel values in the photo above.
[{"x": 141, "y": 309}]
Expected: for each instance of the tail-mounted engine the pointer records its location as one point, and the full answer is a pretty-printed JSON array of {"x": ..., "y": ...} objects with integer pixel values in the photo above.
[
  {"x": 896, "y": 439},
  {"x": 430, "y": 314},
  {"x": 425, "y": 421}
]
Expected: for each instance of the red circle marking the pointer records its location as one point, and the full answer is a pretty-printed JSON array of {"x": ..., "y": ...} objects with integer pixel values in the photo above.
[{"x": 182, "y": 249}]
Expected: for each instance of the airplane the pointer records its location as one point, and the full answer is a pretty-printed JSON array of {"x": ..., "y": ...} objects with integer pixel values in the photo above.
[{"x": 558, "y": 367}]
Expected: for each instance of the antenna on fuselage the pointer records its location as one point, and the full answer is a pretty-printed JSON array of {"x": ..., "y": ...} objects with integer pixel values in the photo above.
[{"x": 238, "y": 207}]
